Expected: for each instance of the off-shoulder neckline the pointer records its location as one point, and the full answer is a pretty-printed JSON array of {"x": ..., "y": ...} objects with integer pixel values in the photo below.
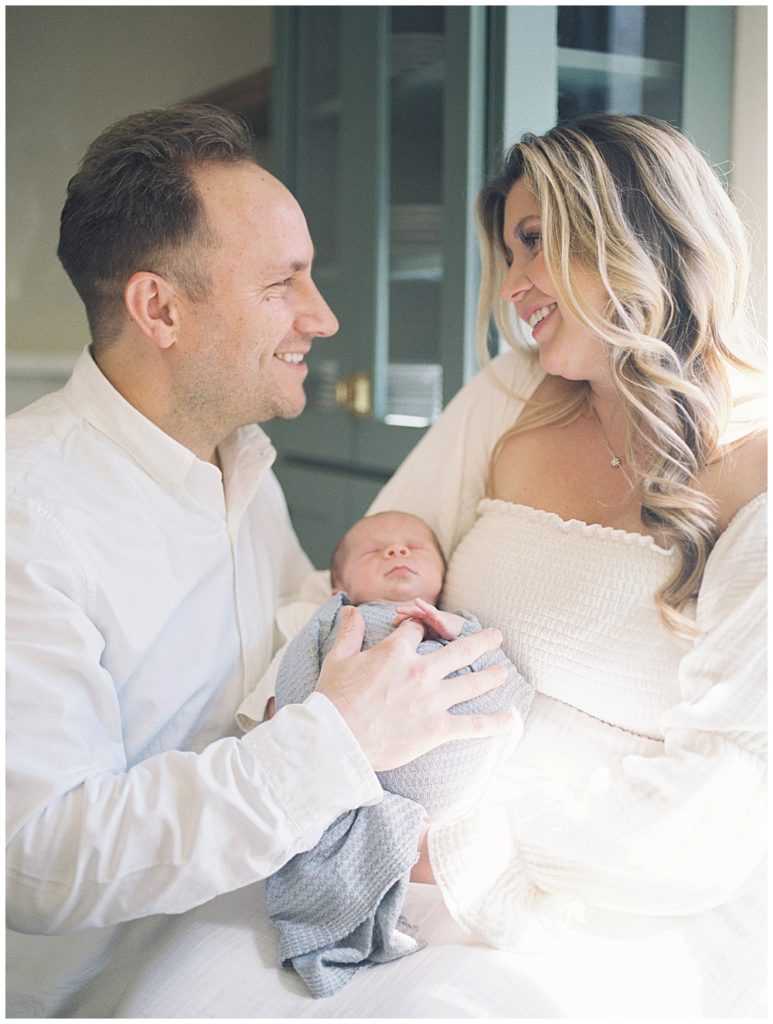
[
  {"x": 612, "y": 532},
  {"x": 587, "y": 529}
]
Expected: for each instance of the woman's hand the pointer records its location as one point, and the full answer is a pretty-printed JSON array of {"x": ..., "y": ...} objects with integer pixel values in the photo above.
[
  {"x": 422, "y": 869},
  {"x": 445, "y": 625}
]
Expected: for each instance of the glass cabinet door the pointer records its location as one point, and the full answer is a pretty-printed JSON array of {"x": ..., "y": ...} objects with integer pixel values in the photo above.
[
  {"x": 417, "y": 72},
  {"x": 385, "y": 152},
  {"x": 622, "y": 58},
  {"x": 436, "y": 144},
  {"x": 672, "y": 62},
  {"x": 308, "y": 155}
]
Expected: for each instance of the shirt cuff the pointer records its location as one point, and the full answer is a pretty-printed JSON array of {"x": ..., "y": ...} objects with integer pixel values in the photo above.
[{"x": 316, "y": 767}]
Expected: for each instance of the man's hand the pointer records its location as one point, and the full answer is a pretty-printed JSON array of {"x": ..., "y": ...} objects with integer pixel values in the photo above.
[
  {"x": 445, "y": 625},
  {"x": 396, "y": 701}
]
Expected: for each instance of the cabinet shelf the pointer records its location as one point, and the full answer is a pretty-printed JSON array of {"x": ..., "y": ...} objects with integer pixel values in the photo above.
[
  {"x": 421, "y": 267},
  {"x": 405, "y": 84},
  {"x": 593, "y": 66},
  {"x": 325, "y": 110},
  {"x": 419, "y": 79}
]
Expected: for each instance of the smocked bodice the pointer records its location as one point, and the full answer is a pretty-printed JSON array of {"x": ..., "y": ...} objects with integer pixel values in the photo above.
[{"x": 582, "y": 625}]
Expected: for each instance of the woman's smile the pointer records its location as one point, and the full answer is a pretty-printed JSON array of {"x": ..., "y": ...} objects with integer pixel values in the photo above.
[{"x": 539, "y": 316}]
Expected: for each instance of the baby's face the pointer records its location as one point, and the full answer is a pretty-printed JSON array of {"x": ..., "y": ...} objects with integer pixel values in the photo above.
[{"x": 391, "y": 557}]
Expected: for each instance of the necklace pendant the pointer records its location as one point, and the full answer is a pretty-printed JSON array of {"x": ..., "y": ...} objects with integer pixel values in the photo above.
[{"x": 615, "y": 462}]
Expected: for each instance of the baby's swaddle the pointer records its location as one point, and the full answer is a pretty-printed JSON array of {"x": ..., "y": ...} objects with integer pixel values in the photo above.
[{"x": 338, "y": 906}]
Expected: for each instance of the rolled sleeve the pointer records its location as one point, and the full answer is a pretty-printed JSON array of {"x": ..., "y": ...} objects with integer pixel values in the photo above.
[{"x": 314, "y": 733}]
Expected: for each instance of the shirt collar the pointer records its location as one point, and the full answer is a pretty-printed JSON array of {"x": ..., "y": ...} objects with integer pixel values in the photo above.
[{"x": 245, "y": 454}]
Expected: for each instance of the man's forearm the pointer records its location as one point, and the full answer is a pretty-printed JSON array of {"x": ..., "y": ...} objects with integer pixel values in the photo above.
[{"x": 180, "y": 828}]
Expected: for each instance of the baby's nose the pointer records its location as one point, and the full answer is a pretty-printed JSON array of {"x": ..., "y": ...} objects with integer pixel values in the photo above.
[{"x": 396, "y": 551}]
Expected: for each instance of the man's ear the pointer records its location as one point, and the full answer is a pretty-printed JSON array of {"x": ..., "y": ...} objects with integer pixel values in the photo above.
[{"x": 153, "y": 306}]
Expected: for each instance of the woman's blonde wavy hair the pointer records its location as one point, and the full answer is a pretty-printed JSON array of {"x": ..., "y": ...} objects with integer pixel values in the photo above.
[{"x": 631, "y": 200}]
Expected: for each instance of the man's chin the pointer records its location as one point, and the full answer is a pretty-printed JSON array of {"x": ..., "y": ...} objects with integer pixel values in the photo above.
[{"x": 285, "y": 411}]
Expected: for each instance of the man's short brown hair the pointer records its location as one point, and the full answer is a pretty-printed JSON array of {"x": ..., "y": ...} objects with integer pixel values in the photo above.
[{"x": 132, "y": 205}]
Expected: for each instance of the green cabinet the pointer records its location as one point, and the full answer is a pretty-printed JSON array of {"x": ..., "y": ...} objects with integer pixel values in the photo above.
[{"x": 385, "y": 122}]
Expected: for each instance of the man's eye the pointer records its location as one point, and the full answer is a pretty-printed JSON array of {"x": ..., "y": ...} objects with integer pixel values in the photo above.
[{"x": 275, "y": 290}]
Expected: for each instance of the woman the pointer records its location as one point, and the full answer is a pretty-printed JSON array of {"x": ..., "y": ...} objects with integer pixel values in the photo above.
[{"x": 600, "y": 494}]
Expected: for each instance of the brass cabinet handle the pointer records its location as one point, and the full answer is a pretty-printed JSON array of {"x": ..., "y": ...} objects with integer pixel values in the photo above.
[{"x": 354, "y": 393}]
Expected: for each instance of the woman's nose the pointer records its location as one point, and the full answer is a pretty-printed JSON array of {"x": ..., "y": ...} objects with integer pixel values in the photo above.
[{"x": 514, "y": 284}]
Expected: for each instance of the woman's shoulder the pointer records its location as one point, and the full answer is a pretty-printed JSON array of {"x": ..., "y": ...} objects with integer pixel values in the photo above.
[
  {"x": 736, "y": 570},
  {"x": 517, "y": 371},
  {"x": 739, "y": 476}
]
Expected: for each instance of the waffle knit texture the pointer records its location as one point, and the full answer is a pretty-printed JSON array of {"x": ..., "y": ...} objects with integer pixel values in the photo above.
[{"x": 338, "y": 906}]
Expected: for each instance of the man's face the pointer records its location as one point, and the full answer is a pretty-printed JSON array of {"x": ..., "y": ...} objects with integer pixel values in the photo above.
[
  {"x": 242, "y": 349},
  {"x": 391, "y": 557}
]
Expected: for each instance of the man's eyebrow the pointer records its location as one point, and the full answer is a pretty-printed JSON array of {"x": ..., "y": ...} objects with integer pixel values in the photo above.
[
  {"x": 283, "y": 269},
  {"x": 292, "y": 266}
]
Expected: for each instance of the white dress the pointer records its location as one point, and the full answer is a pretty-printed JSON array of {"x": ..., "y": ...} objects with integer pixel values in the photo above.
[{"x": 625, "y": 838}]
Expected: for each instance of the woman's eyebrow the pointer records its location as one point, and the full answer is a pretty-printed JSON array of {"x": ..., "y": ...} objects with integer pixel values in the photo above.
[{"x": 525, "y": 220}]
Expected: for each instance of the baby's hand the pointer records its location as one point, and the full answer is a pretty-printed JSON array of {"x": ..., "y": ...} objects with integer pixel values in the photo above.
[{"x": 445, "y": 625}]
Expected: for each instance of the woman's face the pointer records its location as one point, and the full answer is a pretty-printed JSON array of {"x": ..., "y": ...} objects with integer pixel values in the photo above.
[{"x": 567, "y": 348}]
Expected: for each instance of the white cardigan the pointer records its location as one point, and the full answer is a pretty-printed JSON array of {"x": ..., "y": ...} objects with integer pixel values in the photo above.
[{"x": 639, "y": 786}]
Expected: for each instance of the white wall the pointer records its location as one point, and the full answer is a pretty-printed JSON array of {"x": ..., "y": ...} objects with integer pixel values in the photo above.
[
  {"x": 70, "y": 72},
  {"x": 749, "y": 176}
]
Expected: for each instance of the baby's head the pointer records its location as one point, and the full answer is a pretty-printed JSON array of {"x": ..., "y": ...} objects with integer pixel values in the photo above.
[{"x": 391, "y": 556}]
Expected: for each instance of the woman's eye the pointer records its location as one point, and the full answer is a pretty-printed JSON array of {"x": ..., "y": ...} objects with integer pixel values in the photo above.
[{"x": 531, "y": 239}]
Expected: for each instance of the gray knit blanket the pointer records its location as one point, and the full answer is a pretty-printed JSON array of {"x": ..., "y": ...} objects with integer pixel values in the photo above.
[{"x": 338, "y": 906}]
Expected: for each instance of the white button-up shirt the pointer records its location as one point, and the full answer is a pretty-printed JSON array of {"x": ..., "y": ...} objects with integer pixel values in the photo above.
[{"x": 141, "y": 593}]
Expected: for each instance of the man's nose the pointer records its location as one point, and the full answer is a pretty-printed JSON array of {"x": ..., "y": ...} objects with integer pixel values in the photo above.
[{"x": 317, "y": 318}]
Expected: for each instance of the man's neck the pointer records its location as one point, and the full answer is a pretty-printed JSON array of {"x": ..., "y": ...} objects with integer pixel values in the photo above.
[{"x": 147, "y": 390}]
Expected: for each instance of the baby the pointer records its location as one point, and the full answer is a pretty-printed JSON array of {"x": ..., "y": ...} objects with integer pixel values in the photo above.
[
  {"x": 394, "y": 557},
  {"x": 338, "y": 906}
]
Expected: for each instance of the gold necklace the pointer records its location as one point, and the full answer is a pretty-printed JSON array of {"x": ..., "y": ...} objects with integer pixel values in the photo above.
[{"x": 616, "y": 461}]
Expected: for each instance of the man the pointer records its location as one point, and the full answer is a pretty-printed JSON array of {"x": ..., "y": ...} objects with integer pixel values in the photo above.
[{"x": 148, "y": 548}]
